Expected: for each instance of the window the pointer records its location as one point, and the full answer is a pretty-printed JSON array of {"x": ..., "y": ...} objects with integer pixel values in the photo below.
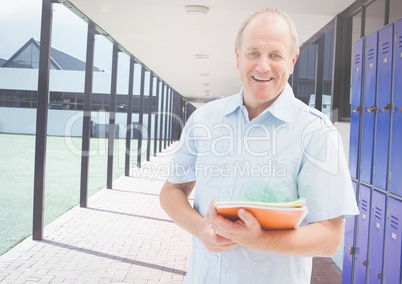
[
  {"x": 305, "y": 79},
  {"x": 375, "y": 17},
  {"x": 395, "y": 10}
]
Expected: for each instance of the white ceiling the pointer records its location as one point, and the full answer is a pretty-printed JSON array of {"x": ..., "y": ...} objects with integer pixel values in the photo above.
[{"x": 165, "y": 38}]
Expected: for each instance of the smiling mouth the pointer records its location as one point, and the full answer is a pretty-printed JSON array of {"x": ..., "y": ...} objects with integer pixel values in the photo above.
[{"x": 259, "y": 79}]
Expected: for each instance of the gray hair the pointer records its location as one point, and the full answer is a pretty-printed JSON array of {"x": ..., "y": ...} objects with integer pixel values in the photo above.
[{"x": 271, "y": 11}]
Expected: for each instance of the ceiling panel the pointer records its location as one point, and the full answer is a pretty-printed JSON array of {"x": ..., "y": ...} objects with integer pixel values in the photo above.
[{"x": 164, "y": 37}]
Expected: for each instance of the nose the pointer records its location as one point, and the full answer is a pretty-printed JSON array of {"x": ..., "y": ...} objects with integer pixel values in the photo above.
[{"x": 263, "y": 64}]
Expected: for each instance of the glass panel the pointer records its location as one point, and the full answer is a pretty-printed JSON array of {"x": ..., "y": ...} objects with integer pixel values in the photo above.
[
  {"x": 97, "y": 102},
  {"x": 18, "y": 23},
  {"x": 375, "y": 17},
  {"x": 356, "y": 27},
  {"x": 306, "y": 65},
  {"x": 356, "y": 35},
  {"x": 395, "y": 10},
  {"x": 328, "y": 65}
]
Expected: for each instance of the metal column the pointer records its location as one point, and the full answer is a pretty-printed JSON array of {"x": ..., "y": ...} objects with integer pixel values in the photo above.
[
  {"x": 319, "y": 73},
  {"x": 151, "y": 89},
  {"x": 166, "y": 123},
  {"x": 112, "y": 118},
  {"x": 86, "y": 125},
  {"x": 141, "y": 116},
  {"x": 163, "y": 116},
  {"x": 129, "y": 123},
  {"x": 157, "y": 117},
  {"x": 41, "y": 120},
  {"x": 171, "y": 111}
]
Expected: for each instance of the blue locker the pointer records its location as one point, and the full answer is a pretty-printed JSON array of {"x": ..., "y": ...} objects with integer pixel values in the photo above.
[
  {"x": 349, "y": 247},
  {"x": 363, "y": 224},
  {"x": 377, "y": 234},
  {"x": 393, "y": 242},
  {"x": 354, "y": 140},
  {"x": 396, "y": 149},
  {"x": 369, "y": 107},
  {"x": 384, "y": 91}
]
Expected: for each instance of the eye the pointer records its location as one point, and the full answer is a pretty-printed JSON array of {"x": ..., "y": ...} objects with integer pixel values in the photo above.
[
  {"x": 253, "y": 54},
  {"x": 276, "y": 56}
]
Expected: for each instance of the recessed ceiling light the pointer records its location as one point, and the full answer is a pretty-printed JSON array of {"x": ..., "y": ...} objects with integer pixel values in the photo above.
[
  {"x": 202, "y": 56},
  {"x": 205, "y": 84},
  {"x": 204, "y": 74},
  {"x": 196, "y": 9}
]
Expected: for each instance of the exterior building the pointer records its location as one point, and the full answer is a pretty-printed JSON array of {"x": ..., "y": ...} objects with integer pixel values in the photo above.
[{"x": 18, "y": 98}]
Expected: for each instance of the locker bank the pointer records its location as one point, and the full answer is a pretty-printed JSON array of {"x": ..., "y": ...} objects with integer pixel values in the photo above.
[{"x": 372, "y": 251}]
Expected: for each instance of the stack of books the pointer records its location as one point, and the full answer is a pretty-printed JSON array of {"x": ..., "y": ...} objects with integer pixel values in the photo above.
[{"x": 270, "y": 215}]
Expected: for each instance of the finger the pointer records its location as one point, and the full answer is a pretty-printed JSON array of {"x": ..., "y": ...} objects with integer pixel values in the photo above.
[
  {"x": 247, "y": 218},
  {"x": 219, "y": 244},
  {"x": 212, "y": 210}
]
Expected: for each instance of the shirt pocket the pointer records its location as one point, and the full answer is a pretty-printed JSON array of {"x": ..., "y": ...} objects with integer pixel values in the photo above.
[{"x": 278, "y": 184}]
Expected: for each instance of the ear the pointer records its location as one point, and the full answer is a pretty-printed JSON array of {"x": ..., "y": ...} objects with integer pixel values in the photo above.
[
  {"x": 237, "y": 53},
  {"x": 294, "y": 59}
]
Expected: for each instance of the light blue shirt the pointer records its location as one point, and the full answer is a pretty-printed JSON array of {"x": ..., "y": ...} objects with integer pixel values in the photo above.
[{"x": 288, "y": 151}]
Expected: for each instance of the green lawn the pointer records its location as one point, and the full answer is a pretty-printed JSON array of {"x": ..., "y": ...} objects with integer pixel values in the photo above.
[{"x": 62, "y": 185}]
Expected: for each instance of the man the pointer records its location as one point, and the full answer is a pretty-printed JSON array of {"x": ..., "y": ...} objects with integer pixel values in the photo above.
[{"x": 261, "y": 144}]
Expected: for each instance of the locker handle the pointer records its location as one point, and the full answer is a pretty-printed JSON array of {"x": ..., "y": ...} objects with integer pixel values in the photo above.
[
  {"x": 380, "y": 276},
  {"x": 388, "y": 106},
  {"x": 357, "y": 109},
  {"x": 365, "y": 263},
  {"x": 371, "y": 109}
]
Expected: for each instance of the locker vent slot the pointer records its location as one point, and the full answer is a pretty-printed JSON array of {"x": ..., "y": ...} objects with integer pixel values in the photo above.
[
  {"x": 394, "y": 222},
  {"x": 378, "y": 213},
  {"x": 357, "y": 59},
  {"x": 371, "y": 53},
  {"x": 385, "y": 47},
  {"x": 400, "y": 41},
  {"x": 364, "y": 205}
]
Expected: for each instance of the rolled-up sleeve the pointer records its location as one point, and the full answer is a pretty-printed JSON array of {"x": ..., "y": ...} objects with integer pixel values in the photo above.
[{"x": 324, "y": 178}]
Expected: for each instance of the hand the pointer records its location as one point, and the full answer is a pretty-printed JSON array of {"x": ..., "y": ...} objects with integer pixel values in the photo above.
[
  {"x": 212, "y": 240},
  {"x": 245, "y": 231}
]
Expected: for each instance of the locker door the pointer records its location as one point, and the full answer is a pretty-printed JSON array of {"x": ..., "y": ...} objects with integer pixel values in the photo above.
[
  {"x": 363, "y": 224},
  {"x": 377, "y": 231},
  {"x": 369, "y": 107},
  {"x": 349, "y": 248},
  {"x": 354, "y": 140},
  {"x": 384, "y": 89},
  {"x": 396, "y": 149},
  {"x": 393, "y": 244}
]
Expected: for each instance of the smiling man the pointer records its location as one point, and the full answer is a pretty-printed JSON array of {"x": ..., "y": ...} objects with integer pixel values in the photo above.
[
  {"x": 266, "y": 146},
  {"x": 266, "y": 52}
]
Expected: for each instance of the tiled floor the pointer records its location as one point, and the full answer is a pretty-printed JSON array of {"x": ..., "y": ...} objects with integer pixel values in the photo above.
[
  {"x": 122, "y": 237},
  {"x": 325, "y": 272}
]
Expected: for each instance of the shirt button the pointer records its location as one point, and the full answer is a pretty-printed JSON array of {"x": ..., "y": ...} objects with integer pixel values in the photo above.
[
  {"x": 216, "y": 257},
  {"x": 226, "y": 193}
]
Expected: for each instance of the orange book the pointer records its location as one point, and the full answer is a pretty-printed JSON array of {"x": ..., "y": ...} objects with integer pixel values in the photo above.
[{"x": 282, "y": 215}]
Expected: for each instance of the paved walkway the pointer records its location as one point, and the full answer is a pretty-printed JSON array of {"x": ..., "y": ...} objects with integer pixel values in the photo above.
[{"x": 122, "y": 237}]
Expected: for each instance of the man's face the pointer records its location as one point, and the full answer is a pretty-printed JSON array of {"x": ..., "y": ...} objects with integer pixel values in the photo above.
[{"x": 265, "y": 60}]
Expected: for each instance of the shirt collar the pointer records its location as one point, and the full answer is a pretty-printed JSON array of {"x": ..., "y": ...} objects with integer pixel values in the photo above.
[
  {"x": 281, "y": 107},
  {"x": 234, "y": 103}
]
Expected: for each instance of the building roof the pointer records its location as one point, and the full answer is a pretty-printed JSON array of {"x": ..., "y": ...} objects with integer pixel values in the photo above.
[
  {"x": 2, "y": 60},
  {"x": 28, "y": 57}
]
